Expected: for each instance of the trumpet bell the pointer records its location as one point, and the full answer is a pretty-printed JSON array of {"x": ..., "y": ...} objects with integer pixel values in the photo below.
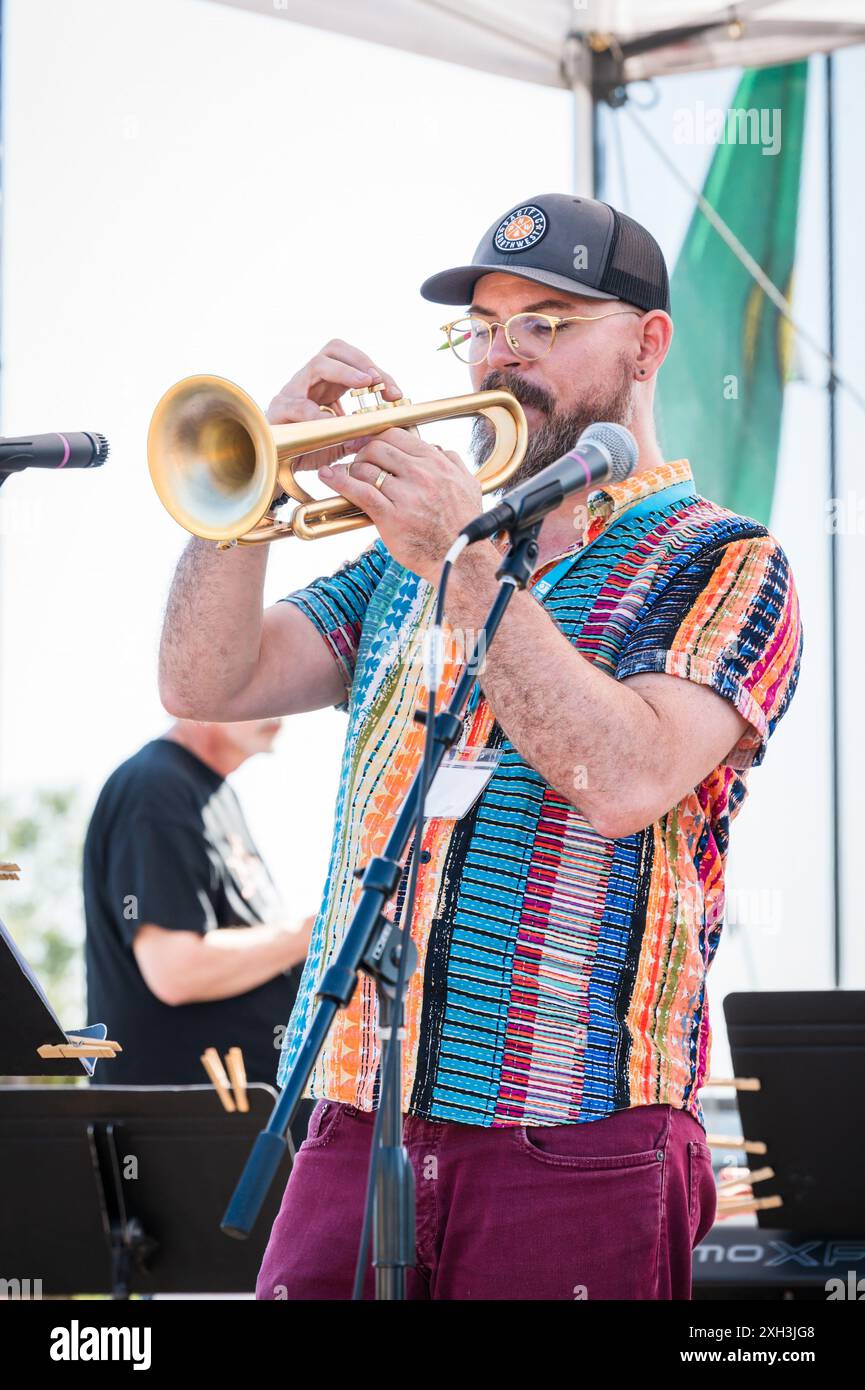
[{"x": 212, "y": 457}]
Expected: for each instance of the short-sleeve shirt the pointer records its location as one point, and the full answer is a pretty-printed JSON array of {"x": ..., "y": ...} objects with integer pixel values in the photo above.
[
  {"x": 561, "y": 974},
  {"x": 168, "y": 844}
]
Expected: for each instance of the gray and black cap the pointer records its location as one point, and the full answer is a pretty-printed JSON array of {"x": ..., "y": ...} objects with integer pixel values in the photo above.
[{"x": 574, "y": 244}]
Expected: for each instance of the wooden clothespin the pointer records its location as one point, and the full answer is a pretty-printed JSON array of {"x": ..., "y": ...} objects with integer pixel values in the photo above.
[
  {"x": 76, "y": 1046},
  {"x": 731, "y": 1207},
  {"x": 732, "y": 1141},
  {"x": 738, "y": 1177},
  {"x": 212, "y": 1063},
  {"x": 237, "y": 1072}
]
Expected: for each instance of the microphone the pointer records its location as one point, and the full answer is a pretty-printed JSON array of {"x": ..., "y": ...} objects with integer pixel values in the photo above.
[
  {"x": 603, "y": 453},
  {"x": 82, "y": 449}
]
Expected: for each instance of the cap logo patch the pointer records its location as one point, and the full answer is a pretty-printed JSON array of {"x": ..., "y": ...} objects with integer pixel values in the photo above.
[{"x": 521, "y": 229}]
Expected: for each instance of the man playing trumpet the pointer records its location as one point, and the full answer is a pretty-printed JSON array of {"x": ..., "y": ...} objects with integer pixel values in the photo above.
[{"x": 557, "y": 1027}]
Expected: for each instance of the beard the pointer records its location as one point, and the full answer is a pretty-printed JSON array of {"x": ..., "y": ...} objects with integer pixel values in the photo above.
[{"x": 560, "y": 429}]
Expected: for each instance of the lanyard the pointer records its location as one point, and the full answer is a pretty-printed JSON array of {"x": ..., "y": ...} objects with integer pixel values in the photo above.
[{"x": 543, "y": 587}]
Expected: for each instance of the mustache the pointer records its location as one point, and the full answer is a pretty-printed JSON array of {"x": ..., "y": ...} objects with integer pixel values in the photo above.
[
  {"x": 561, "y": 427},
  {"x": 526, "y": 392}
]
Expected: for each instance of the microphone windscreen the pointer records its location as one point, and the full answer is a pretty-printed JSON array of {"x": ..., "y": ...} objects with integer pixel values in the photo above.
[
  {"x": 103, "y": 448},
  {"x": 616, "y": 441}
]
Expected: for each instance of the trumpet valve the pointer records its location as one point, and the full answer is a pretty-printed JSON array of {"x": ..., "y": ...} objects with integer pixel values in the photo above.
[{"x": 374, "y": 398}]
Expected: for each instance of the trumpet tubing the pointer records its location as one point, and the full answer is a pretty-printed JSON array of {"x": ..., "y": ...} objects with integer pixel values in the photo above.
[{"x": 217, "y": 462}]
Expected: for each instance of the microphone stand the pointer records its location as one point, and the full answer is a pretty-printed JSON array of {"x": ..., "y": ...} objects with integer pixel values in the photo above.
[{"x": 375, "y": 945}]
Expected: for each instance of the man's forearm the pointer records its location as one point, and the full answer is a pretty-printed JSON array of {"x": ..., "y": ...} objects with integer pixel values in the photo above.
[
  {"x": 211, "y": 635},
  {"x": 236, "y": 959},
  {"x": 593, "y": 740},
  {"x": 187, "y": 968}
]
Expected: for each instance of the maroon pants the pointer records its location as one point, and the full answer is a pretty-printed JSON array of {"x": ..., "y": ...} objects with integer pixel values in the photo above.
[{"x": 608, "y": 1209}]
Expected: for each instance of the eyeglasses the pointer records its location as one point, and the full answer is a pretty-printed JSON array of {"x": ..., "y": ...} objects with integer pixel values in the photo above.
[{"x": 529, "y": 336}]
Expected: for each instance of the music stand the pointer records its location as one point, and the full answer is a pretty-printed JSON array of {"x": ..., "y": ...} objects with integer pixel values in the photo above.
[
  {"x": 28, "y": 1024},
  {"x": 119, "y": 1190},
  {"x": 807, "y": 1047}
]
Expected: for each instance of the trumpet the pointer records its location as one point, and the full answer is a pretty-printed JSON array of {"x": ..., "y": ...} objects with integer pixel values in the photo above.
[{"x": 218, "y": 463}]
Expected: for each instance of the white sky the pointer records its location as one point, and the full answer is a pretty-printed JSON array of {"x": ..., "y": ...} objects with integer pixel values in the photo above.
[{"x": 192, "y": 188}]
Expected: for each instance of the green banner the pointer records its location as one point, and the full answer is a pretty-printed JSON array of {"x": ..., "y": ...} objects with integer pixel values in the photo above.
[{"x": 721, "y": 388}]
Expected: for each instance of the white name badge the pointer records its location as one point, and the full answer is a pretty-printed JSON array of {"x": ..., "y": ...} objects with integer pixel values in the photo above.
[{"x": 460, "y": 780}]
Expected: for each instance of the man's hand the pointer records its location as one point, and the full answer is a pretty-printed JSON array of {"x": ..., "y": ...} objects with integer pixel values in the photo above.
[
  {"x": 424, "y": 501},
  {"x": 338, "y": 368}
]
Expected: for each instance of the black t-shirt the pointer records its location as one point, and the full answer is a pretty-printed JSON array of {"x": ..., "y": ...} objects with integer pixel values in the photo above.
[{"x": 168, "y": 844}]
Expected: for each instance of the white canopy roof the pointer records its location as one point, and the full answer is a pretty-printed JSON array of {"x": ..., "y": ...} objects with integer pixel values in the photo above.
[{"x": 529, "y": 39}]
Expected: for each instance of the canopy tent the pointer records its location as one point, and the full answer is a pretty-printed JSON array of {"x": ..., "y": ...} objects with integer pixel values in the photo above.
[
  {"x": 593, "y": 48},
  {"x": 630, "y": 39}
]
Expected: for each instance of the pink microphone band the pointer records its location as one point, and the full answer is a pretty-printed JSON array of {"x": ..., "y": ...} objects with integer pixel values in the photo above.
[{"x": 579, "y": 458}]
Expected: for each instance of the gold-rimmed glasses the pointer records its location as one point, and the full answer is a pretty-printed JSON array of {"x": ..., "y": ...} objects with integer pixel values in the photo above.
[{"x": 529, "y": 336}]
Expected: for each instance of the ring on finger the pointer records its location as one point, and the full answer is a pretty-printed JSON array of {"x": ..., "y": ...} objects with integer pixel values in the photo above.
[{"x": 380, "y": 479}]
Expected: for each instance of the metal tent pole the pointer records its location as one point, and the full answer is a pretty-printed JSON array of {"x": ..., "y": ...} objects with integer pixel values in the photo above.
[
  {"x": 577, "y": 65},
  {"x": 834, "y": 653},
  {"x": 2, "y": 312}
]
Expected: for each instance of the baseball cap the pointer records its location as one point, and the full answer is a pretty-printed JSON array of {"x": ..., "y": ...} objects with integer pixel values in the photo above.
[{"x": 575, "y": 244}]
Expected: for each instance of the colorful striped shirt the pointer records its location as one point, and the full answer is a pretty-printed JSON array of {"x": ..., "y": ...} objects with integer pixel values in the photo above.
[{"x": 561, "y": 974}]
